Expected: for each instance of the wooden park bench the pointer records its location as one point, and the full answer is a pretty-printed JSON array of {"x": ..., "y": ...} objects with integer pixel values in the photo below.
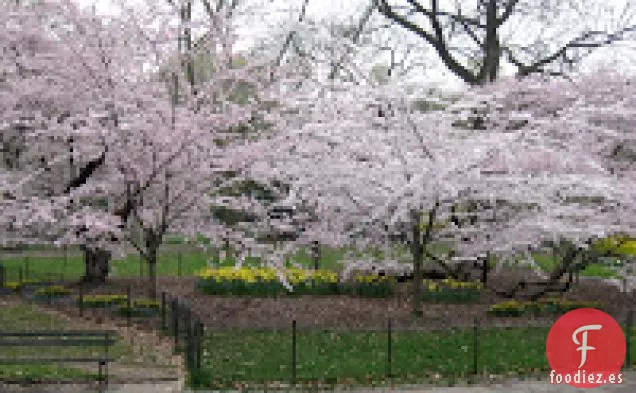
[{"x": 51, "y": 338}]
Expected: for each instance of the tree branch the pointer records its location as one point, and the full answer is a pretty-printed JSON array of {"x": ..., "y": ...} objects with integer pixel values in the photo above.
[
  {"x": 439, "y": 45},
  {"x": 290, "y": 35},
  {"x": 510, "y": 6}
]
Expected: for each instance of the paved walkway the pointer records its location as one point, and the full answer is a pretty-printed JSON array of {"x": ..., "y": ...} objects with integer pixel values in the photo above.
[
  {"x": 543, "y": 386},
  {"x": 161, "y": 387}
]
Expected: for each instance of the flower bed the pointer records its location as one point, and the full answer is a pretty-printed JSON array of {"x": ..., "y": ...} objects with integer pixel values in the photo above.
[
  {"x": 17, "y": 286},
  {"x": 266, "y": 282},
  {"x": 52, "y": 292},
  {"x": 368, "y": 285},
  {"x": 452, "y": 291},
  {"x": 515, "y": 308},
  {"x": 97, "y": 301}
]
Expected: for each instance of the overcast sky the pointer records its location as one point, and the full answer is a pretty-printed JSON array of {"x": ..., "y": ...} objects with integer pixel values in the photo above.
[{"x": 284, "y": 12}]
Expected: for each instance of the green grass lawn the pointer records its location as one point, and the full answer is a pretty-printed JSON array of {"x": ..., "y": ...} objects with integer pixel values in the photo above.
[
  {"x": 261, "y": 357},
  {"x": 547, "y": 263},
  {"x": 170, "y": 263},
  {"x": 188, "y": 262},
  {"x": 14, "y": 317}
]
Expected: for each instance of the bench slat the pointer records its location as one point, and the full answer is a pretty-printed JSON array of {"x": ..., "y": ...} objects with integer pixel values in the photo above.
[
  {"x": 58, "y": 333},
  {"x": 53, "y": 360},
  {"x": 56, "y": 343}
]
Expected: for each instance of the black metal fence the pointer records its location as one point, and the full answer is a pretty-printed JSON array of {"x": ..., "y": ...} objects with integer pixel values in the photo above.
[
  {"x": 178, "y": 321},
  {"x": 174, "y": 318},
  {"x": 301, "y": 355},
  {"x": 59, "y": 265}
]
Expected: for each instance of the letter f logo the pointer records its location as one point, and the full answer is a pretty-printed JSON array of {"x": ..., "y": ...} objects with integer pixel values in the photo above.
[{"x": 584, "y": 348}]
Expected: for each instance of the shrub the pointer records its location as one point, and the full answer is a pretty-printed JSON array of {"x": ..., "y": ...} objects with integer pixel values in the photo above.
[
  {"x": 452, "y": 291},
  {"x": 265, "y": 282},
  {"x": 53, "y": 291},
  {"x": 147, "y": 303},
  {"x": 541, "y": 307},
  {"x": 369, "y": 285},
  {"x": 14, "y": 285},
  {"x": 511, "y": 308},
  {"x": 104, "y": 300}
]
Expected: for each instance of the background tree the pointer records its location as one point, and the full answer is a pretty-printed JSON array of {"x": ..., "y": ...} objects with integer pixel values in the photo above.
[
  {"x": 472, "y": 41},
  {"x": 368, "y": 177}
]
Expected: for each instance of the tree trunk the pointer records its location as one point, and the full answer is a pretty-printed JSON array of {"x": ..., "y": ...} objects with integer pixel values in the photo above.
[
  {"x": 97, "y": 265},
  {"x": 152, "y": 272},
  {"x": 417, "y": 251}
]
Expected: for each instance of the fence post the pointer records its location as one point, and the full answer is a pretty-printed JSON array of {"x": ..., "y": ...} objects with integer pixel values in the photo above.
[
  {"x": 128, "y": 305},
  {"x": 187, "y": 322},
  {"x": 163, "y": 311},
  {"x": 26, "y": 268},
  {"x": 316, "y": 254},
  {"x": 388, "y": 347},
  {"x": 484, "y": 272},
  {"x": 80, "y": 301},
  {"x": 2, "y": 275},
  {"x": 141, "y": 266},
  {"x": 20, "y": 280},
  {"x": 476, "y": 346},
  {"x": 188, "y": 348},
  {"x": 293, "y": 381},
  {"x": 179, "y": 263},
  {"x": 175, "y": 320},
  {"x": 107, "y": 344},
  {"x": 200, "y": 333},
  {"x": 628, "y": 339}
]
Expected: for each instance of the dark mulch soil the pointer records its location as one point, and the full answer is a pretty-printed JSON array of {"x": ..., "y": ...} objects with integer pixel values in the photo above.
[{"x": 350, "y": 312}]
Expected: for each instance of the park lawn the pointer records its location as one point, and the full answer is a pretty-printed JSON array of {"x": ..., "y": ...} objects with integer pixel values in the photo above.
[
  {"x": 263, "y": 357},
  {"x": 170, "y": 263},
  {"x": 547, "y": 263},
  {"x": 19, "y": 317}
]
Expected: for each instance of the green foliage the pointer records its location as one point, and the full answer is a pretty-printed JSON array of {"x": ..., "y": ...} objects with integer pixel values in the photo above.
[
  {"x": 264, "y": 282},
  {"x": 147, "y": 303},
  {"x": 452, "y": 291},
  {"x": 140, "y": 308},
  {"x": 620, "y": 245},
  {"x": 53, "y": 291},
  {"x": 369, "y": 286},
  {"x": 14, "y": 285},
  {"x": 230, "y": 216},
  {"x": 249, "y": 187},
  {"x": 515, "y": 308},
  {"x": 98, "y": 301}
]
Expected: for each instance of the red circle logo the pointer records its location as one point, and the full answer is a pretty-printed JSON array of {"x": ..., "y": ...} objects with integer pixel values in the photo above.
[{"x": 585, "y": 348}]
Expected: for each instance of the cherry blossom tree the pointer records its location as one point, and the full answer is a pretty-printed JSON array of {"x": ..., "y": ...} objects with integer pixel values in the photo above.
[
  {"x": 150, "y": 151},
  {"x": 530, "y": 175}
]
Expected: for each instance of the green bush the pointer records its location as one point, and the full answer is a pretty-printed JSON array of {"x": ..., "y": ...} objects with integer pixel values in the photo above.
[
  {"x": 265, "y": 282},
  {"x": 546, "y": 306},
  {"x": 147, "y": 303},
  {"x": 53, "y": 291},
  {"x": 368, "y": 285},
  {"x": 452, "y": 291},
  {"x": 97, "y": 301},
  {"x": 14, "y": 285}
]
